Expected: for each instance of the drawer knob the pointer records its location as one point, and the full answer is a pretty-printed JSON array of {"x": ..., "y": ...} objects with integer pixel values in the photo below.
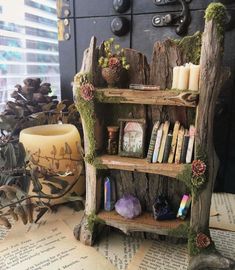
[
  {"x": 121, "y": 6},
  {"x": 120, "y": 26}
]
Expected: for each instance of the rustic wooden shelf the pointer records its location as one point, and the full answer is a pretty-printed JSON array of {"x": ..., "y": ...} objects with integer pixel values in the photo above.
[
  {"x": 140, "y": 165},
  {"x": 143, "y": 223},
  {"x": 166, "y": 97}
]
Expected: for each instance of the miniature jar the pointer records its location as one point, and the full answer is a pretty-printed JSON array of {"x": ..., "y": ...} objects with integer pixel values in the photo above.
[{"x": 112, "y": 148}]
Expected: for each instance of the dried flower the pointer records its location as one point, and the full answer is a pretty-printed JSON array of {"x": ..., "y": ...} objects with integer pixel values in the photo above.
[
  {"x": 198, "y": 167},
  {"x": 114, "y": 62},
  {"x": 202, "y": 240},
  {"x": 87, "y": 91},
  {"x": 114, "y": 56},
  {"x": 197, "y": 181}
]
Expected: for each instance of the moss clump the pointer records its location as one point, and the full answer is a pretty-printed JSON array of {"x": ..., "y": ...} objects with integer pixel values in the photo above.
[
  {"x": 98, "y": 164},
  {"x": 191, "y": 47},
  {"x": 92, "y": 220},
  {"x": 217, "y": 12},
  {"x": 181, "y": 231},
  {"x": 87, "y": 112},
  {"x": 186, "y": 175},
  {"x": 192, "y": 247},
  {"x": 100, "y": 97}
]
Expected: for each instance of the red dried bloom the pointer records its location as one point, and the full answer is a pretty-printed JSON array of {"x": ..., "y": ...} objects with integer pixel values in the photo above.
[
  {"x": 202, "y": 240},
  {"x": 114, "y": 62},
  {"x": 87, "y": 91},
  {"x": 198, "y": 167}
]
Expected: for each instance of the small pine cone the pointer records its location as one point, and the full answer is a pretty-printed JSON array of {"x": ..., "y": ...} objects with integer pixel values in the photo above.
[
  {"x": 202, "y": 240},
  {"x": 198, "y": 167},
  {"x": 5, "y": 222}
]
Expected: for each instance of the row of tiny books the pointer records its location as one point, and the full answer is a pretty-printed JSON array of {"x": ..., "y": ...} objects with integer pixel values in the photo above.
[{"x": 171, "y": 147}]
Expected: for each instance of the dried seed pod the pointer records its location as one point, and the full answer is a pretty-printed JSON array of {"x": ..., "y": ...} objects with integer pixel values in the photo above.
[
  {"x": 45, "y": 90},
  {"x": 13, "y": 214},
  {"x": 38, "y": 97},
  {"x": 28, "y": 90},
  {"x": 202, "y": 240},
  {"x": 19, "y": 210},
  {"x": 29, "y": 207},
  {"x": 35, "y": 82},
  {"x": 5, "y": 222}
]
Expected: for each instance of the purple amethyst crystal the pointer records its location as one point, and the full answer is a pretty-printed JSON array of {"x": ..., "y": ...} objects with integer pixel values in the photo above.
[{"x": 128, "y": 206}]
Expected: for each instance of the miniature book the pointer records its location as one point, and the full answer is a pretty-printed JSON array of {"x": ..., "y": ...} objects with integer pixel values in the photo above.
[
  {"x": 157, "y": 144},
  {"x": 179, "y": 145},
  {"x": 174, "y": 141},
  {"x": 163, "y": 142},
  {"x": 190, "y": 144},
  {"x": 167, "y": 148},
  {"x": 184, "y": 147},
  {"x": 152, "y": 141}
]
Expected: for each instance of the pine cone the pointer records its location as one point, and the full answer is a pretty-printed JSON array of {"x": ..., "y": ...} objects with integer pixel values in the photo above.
[{"x": 202, "y": 240}]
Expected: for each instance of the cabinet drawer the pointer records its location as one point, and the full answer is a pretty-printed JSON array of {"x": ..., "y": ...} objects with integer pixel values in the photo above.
[
  {"x": 145, "y": 35},
  {"x": 95, "y": 8}
]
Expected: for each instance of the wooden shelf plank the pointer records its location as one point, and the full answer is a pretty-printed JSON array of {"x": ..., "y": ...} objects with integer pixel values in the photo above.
[
  {"x": 140, "y": 165},
  {"x": 166, "y": 97},
  {"x": 143, "y": 223}
]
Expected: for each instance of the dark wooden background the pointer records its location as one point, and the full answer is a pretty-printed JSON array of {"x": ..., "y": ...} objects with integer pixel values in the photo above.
[{"x": 93, "y": 17}]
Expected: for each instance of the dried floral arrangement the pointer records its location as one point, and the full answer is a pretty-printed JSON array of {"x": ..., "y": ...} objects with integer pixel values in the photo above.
[
  {"x": 32, "y": 106},
  {"x": 114, "y": 56}
]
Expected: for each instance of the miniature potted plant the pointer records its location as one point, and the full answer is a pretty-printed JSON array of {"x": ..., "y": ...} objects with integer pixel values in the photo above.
[{"x": 113, "y": 63}]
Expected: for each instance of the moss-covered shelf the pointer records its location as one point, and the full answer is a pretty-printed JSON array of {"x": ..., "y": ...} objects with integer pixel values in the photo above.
[
  {"x": 143, "y": 223},
  {"x": 158, "y": 97},
  {"x": 140, "y": 165}
]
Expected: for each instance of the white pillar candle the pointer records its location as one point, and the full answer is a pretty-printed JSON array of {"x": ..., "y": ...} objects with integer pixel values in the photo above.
[
  {"x": 183, "y": 78},
  {"x": 175, "y": 79},
  {"x": 194, "y": 77}
]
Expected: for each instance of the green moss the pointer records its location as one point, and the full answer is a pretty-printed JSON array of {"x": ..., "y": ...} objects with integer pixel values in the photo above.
[
  {"x": 98, "y": 164},
  {"x": 87, "y": 111},
  {"x": 92, "y": 220},
  {"x": 192, "y": 248},
  {"x": 100, "y": 97},
  {"x": 181, "y": 231},
  {"x": 186, "y": 175},
  {"x": 217, "y": 12},
  {"x": 191, "y": 47}
]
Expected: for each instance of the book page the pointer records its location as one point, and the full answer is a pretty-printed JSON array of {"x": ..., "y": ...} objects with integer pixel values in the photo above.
[
  {"x": 118, "y": 247},
  {"x": 222, "y": 215},
  {"x": 51, "y": 246},
  {"x": 162, "y": 255}
]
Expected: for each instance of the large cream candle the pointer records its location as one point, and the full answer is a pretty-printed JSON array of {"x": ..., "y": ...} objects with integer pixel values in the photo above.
[
  {"x": 56, "y": 147},
  {"x": 194, "y": 77},
  {"x": 175, "y": 79},
  {"x": 183, "y": 77}
]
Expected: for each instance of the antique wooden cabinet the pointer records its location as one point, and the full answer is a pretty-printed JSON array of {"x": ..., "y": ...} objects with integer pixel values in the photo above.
[{"x": 131, "y": 23}]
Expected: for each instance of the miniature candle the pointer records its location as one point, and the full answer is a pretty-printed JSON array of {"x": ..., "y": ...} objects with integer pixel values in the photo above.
[
  {"x": 194, "y": 77},
  {"x": 175, "y": 80},
  {"x": 183, "y": 77}
]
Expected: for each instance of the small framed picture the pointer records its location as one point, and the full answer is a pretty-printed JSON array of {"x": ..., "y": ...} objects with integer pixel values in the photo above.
[{"x": 132, "y": 137}]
